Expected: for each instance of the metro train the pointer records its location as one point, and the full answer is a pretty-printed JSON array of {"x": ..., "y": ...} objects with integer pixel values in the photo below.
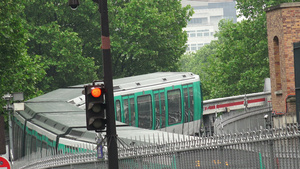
[{"x": 55, "y": 121}]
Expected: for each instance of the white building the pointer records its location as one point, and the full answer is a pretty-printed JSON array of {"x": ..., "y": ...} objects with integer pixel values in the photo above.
[{"x": 204, "y": 22}]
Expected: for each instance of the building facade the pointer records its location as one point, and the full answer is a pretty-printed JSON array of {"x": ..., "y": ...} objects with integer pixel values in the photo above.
[
  {"x": 283, "y": 28},
  {"x": 204, "y": 23}
]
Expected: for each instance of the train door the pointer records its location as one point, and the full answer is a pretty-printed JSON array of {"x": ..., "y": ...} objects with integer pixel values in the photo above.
[
  {"x": 174, "y": 108},
  {"x": 145, "y": 109},
  {"x": 118, "y": 108},
  {"x": 129, "y": 111},
  {"x": 160, "y": 109},
  {"x": 188, "y": 103}
]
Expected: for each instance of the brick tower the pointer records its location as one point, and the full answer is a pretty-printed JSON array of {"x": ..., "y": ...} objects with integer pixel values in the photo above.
[{"x": 283, "y": 27}]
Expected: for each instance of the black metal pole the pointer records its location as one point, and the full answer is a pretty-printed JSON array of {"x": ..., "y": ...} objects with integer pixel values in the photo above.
[
  {"x": 109, "y": 97},
  {"x": 297, "y": 79},
  {"x": 2, "y": 135}
]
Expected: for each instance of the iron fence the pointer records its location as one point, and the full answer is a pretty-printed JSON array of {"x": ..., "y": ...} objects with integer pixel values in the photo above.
[
  {"x": 263, "y": 149},
  {"x": 252, "y": 119}
]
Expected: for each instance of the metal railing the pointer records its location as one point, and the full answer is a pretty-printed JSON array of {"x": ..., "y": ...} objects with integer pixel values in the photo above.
[
  {"x": 258, "y": 118},
  {"x": 262, "y": 149},
  {"x": 236, "y": 102}
]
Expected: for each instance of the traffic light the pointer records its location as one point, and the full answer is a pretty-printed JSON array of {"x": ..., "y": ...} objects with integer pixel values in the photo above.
[{"x": 95, "y": 107}]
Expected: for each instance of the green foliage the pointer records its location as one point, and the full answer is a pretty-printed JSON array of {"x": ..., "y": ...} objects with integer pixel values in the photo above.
[
  {"x": 19, "y": 71},
  {"x": 52, "y": 37},
  {"x": 238, "y": 63},
  {"x": 44, "y": 45},
  {"x": 243, "y": 51},
  {"x": 61, "y": 53},
  {"x": 198, "y": 63},
  {"x": 241, "y": 60},
  {"x": 253, "y": 9},
  {"x": 146, "y": 35}
]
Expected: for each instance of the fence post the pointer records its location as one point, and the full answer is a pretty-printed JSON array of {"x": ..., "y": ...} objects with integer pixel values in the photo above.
[
  {"x": 260, "y": 161},
  {"x": 271, "y": 153},
  {"x": 140, "y": 161},
  {"x": 221, "y": 156},
  {"x": 245, "y": 103},
  {"x": 177, "y": 163}
]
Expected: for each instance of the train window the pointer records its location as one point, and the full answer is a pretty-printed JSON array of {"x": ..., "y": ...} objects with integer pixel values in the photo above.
[
  {"x": 44, "y": 149},
  {"x": 16, "y": 140},
  {"x": 157, "y": 111},
  {"x": 19, "y": 142},
  {"x": 68, "y": 149},
  {"x": 118, "y": 110},
  {"x": 126, "y": 111},
  {"x": 15, "y": 135},
  {"x": 163, "y": 110},
  {"x": 28, "y": 142},
  {"x": 50, "y": 145},
  {"x": 191, "y": 109},
  {"x": 33, "y": 144},
  {"x": 160, "y": 109},
  {"x": 144, "y": 111},
  {"x": 186, "y": 104},
  {"x": 174, "y": 105},
  {"x": 39, "y": 142},
  {"x": 132, "y": 112}
]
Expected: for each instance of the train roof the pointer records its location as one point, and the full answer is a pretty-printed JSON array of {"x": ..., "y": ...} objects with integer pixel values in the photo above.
[
  {"x": 56, "y": 113},
  {"x": 151, "y": 79}
]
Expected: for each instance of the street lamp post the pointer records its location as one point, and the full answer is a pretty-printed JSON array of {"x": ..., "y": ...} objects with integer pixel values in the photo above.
[
  {"x": 110, "y": 114},
  {"x": 9, "y": 108},
  {"x": 107, "y": 70}
]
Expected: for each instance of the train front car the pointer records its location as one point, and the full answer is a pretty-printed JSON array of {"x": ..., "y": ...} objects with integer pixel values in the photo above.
[
  {"x": 55, "y": 122},
  {"x": 167, "y": 101}
]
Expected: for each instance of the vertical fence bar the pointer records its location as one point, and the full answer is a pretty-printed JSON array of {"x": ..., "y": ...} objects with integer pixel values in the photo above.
[
  {"x": 260, "y": 161},
  {"x": 222, "y": 157},
  {"x": 177, "y": 160},
  {"x": 296, "y": 153},
  {"x": 288, "y": 152},
  {"x": 271, "y": 153},
  {"x": 281, "y": 157}
]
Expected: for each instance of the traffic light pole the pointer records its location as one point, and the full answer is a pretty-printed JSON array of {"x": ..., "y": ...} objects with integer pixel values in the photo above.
[
  {"x": 8, "y": 97},
  {"x": 109, "y": 97}
]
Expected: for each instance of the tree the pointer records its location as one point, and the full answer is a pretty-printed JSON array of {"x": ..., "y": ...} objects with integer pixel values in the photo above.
[
  {"x": 198, "y": 63},
  {"x": 61, "y": 52},
  {"x": 52, "y": 37},
  {"x": 255, "y": 9},
  {"x": 19, "y": 71},
  {"x": 240, "y": 61},
  {"x": 147, "y": 36}
]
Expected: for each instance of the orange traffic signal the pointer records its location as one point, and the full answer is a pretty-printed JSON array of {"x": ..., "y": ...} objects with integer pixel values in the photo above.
[{"x": 96, "y": 92}]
